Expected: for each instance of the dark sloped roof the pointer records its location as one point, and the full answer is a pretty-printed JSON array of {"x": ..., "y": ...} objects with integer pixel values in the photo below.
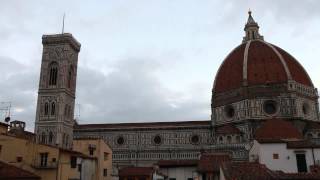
[
  {"x": 177, "y": 163},
  {"x": 3, "y": 124},
  {"x": 247, "y": 171},
  {"x": 211, "y": 162},
  {"x": 301, "y": 144},
  {"x": 313, "y": 125},
  {"x": 277, "y": 129},
  {"x": 256, "y": 171},
  {"x": 8, "y": 172},
  {"x": 136, "y": 171},
  {"x": 297, "y": 176},
  {"x": 228, "y": 129},
  {"x": 143, "y": 125}
]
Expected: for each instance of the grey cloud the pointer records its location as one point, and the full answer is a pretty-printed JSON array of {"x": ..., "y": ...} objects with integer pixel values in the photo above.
[
  {"x": 133, "y": 93},
  {"x": 18, "y": 86}
]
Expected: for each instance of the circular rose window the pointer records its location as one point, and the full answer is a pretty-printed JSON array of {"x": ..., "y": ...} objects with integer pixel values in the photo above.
[
  {"x": 120, "y": 140},
  {"x": 157, "y": 140},
  {"x": 270, "y": 107},
  {"x": 195, "y": 139}
]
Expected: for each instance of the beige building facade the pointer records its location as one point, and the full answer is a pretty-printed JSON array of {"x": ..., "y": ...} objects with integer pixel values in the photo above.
[{"x": 54, "y": 163}]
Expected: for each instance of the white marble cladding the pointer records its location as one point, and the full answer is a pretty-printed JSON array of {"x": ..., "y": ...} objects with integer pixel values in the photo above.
[
  {"x": 302, "y": 89},
  {"x": 288, "y": 106},
  {"x": 145, "y": 138}
]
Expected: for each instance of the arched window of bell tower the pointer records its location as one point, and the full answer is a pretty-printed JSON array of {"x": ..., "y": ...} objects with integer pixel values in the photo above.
[
  {"x": 53, "y": 108},
  {"x": 53, "y": 74},
  {"x": 70, "y": 77},
  {"x": 46, "y": 108}
]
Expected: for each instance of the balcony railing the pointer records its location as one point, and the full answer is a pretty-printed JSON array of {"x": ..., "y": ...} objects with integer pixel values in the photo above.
[{"x": 44, "y": 165}]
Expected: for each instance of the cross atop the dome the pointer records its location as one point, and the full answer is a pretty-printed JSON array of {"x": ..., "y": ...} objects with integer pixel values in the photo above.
[{"x": 252, "y": 29}]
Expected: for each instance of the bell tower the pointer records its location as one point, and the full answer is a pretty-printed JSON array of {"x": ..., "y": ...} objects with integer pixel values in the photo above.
[{"x": 57, "y": 87}]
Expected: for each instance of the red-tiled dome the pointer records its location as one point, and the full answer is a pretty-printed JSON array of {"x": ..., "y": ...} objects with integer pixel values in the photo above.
[{"x": 256, "y": 63}]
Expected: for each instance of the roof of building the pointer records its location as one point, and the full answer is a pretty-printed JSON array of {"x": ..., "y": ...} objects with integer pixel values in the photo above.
[
  {"x": 246, "y": 170},
  {"x": 254, "y": 171},
  {"x": 301, "y": 144},
  {"x": 257, "y": 62},
  {"x": 3, "y": 124},
  {"x": 277, "y": 129},
  {"x": 313, "y": 125},
  {"x": 228, "y": 129},
  {"x": 8, "y": 172},
  {"x": 144, "y": 125},
  {"x": 211, "y": 162},
  {"x": 177, "y": 163},
  {"x": 136, "y": 171},
  {"x": 22, "y": 134},
  {"x": 297, "y": 176}
]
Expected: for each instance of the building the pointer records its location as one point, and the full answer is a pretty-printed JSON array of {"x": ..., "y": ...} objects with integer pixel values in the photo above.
[
  {"x": 257, "y": 81},
  {"x": 98, "y": 149},
  {"x": 57, "y": 86},
  {"x": 9, "y": 172},
  {"x": 280, "y": 146},
  {"x": 254, "y": 171},
  {"x": 19, "y": 150},
  {"x": 140, "y": 173}
]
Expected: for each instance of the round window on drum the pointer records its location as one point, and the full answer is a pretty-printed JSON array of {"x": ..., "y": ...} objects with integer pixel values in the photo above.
[
  {"x": 195, "y": 139},
  {"x": 270, "y": 107},
  {"x": 120, "y": 140},
  {"x": 157, "y": 140},
  {"x": 229, "y": 111}
]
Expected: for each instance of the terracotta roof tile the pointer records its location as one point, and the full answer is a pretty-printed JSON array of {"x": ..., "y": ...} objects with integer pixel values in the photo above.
[
  {"x": 255, "y": 171},
  {"x": 277, "y": 129},
  {"x": 246, "y": 171},
  {"x": 229, "y": 75},
  {"x": 8, "y": 171},
  {"x": 298, "y": 73},
  {"x": 263, "y": 66},
  {"x": 211, "y": 162},
  {"x": 297, "y": 176}
]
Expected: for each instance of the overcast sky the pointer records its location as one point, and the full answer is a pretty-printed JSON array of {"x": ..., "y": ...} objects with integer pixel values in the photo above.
[{"x": 145, "y": 60}]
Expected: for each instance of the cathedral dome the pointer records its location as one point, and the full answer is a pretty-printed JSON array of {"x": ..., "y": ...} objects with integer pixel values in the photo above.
[{"x": 257, "y": 62}]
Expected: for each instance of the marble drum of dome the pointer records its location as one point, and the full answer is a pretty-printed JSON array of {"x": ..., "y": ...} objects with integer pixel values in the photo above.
[{"x": 259, "y": 80}]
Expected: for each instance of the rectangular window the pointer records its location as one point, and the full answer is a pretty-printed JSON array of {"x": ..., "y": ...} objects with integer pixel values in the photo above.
[
  {"x": 73, "y": 161},
  {"x": 19, "y": 159},
  {"x": 0, "y": 149},
  {"x": 105, "y": 172},
  {"x": 190, "y": 178},
  {"x": 91, "y": 151},
  {"x": 105, "y": 156},
  {"x": 275, "y": 156},
  {"x": 301, "y": 162},
  {"x": 43, "y": 159},
  {"x": 172, "y": 178}
]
